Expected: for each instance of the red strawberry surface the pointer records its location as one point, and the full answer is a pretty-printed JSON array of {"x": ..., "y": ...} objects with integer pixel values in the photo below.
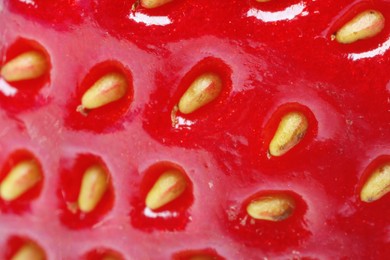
[{"x": 265, "y": 60}]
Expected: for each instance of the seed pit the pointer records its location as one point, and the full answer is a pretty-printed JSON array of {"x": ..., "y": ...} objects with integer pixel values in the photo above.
[
  {"x": 21, "y": 181},
  {"x": 21, "y": 178},
  {"x": 25, "y": 71},
  {"x": 102, "y": 99},
  {"x": 164, "y": 199},
  {"x": 282, "y": 222},
  {"x": 26, "y": 63},
  {"x": 200, "y": 92},
  {"x": 21, "y": 248},
  {"x": 205, "y": 88},
  {"x": 85, "y": 190}
]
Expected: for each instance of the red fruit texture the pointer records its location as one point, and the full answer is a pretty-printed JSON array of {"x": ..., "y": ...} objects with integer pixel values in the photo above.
[{"x": 271, "y": 59}]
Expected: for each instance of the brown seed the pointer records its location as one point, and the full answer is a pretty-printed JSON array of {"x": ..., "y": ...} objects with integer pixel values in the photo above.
[
  {"x": 153, "y": 3},
  {"x": 377, "y": 185},
  {"x": 106, "y": 90},
  {"x": 271, "y": 207},
  {"x": 26, "y": 66},
  {"x": 169, "y": 186},
  {"x": 292, "y": 128},
  {"x": 93, "y": 186},
  {"x": 29, "y": 251},
  {"x": 19, "y": 180},
  {"x": 202, "y": 91},
  {"x": 365, "y": 25}
]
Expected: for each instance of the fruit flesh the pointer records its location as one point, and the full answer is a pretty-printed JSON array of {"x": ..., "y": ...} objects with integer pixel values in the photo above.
[{"x": 271, "y": 63}]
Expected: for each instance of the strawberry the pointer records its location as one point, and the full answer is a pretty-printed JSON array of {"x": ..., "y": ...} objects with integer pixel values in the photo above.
[{"x": 194, "y": 129}]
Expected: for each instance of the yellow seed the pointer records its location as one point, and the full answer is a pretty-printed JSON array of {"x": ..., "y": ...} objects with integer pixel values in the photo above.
[
  {"x": 19, "y": 180},
  {"x": 365, "y": 25},
  {"x": 202, "y": 257},
  {"x": 154, "y": 3},
  {"x": 93, "y": 186},
  {"x": 169, "y": 186},
  {"x": 29, "y": 251},
  {"x": 110, "y": 257},
  {"x": 262, "y": 1},
  {"x": 377, "y": 185},
  {"x": 271, "y": 207},
  {"x": 107, "y": 89},
  {"x": 28, "y": 65},
  {"x": 202, "y": 91},
  {"x": 292, "y": 128}
]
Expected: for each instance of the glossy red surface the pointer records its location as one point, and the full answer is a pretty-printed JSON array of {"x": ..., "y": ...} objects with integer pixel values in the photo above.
[{"x": 273, "y": 57}]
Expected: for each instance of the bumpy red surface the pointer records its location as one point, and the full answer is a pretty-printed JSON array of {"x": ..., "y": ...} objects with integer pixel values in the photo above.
[{"x": 273, "y": 57}]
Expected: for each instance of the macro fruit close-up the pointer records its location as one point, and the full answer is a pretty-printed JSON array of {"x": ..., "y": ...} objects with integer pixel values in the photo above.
[{"x": 194, "y": 129}]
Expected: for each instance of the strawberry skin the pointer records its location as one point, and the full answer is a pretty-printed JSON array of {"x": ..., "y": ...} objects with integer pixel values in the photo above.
[{"x": 195, "y": 129}]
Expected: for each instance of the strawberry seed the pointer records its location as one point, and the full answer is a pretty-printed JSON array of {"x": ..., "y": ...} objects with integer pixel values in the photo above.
[
  {"x": 106, "y": 90},
  {"x": 169, "y": 186},
  {"x": 153, "y": 3},
  {"x": 271, "y": 207},
  {"x": 26, "y": 66},
  {"x": 202, "y": 91},
  {"x": 365, "y": 25},
  {"x": 110, "y": 257},
  {"x": 29, "y": 251},
  {"x": 377, "y": 185},
  {"x": 93, "y": 186},
  {"x": 292, "y": 128},
  {"x": 19, "y": 180}
]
